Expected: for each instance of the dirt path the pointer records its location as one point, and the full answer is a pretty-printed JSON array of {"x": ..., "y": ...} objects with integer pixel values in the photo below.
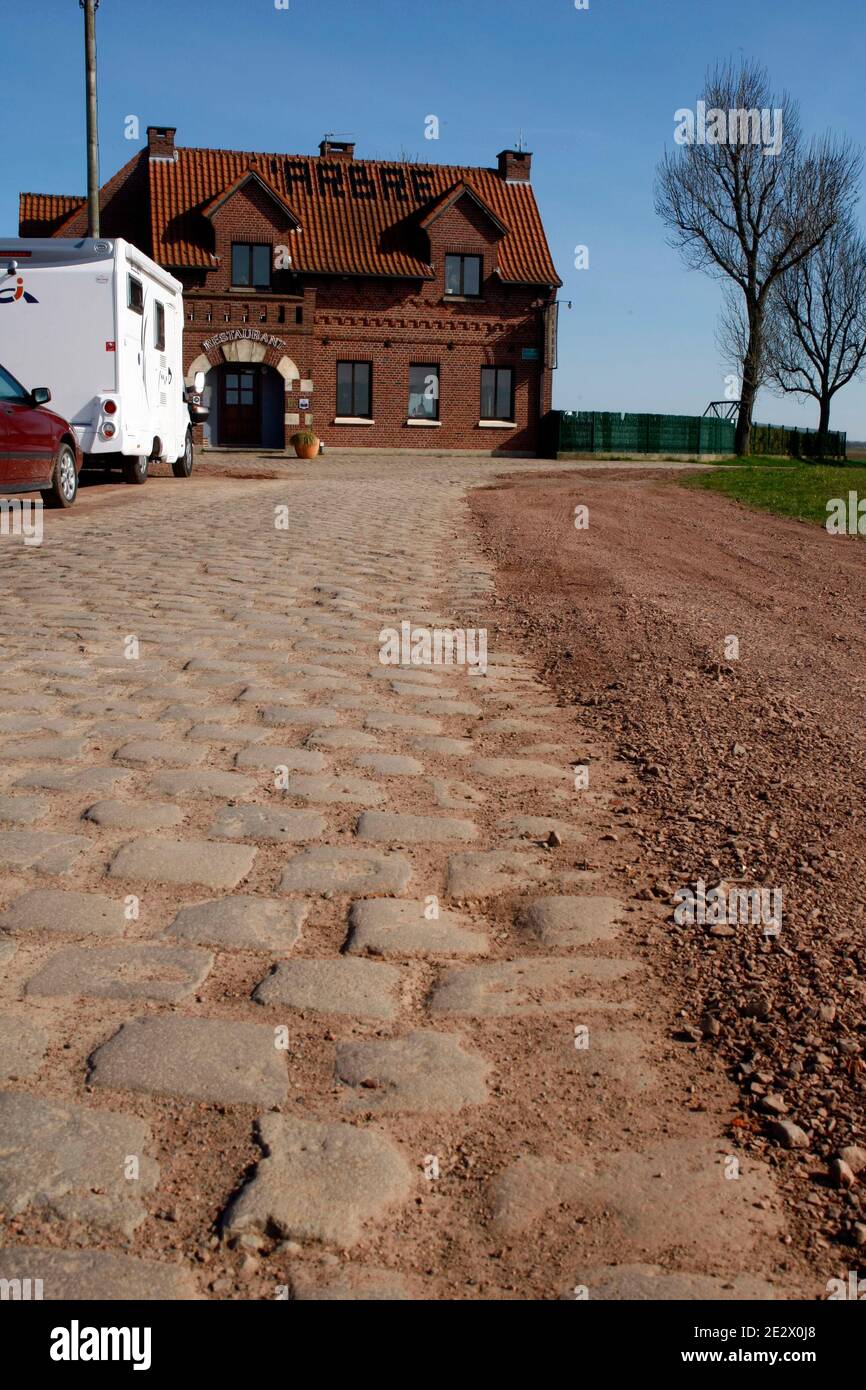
[
  {"x": 322, "y": 977},
  {"x": 749, "y": 770}
]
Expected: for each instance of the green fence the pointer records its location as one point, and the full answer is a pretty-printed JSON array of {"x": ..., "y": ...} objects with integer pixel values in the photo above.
[
  {"x": 798, "y": 444},
  {"x": 612, "y": 432},
  {"x": 609, "y": 432}
]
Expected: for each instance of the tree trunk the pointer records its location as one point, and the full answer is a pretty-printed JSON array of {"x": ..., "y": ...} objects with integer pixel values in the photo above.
[
  {"x": 750, "y": 382},
  {"x": 823, "y": 425}
]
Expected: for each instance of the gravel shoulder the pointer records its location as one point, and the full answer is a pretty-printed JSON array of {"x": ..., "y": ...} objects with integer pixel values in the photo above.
[{"x": 748, "y": 770}]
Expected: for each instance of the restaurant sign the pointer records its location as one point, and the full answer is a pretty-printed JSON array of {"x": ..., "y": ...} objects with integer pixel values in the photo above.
[{"x": 233, "y": 335}]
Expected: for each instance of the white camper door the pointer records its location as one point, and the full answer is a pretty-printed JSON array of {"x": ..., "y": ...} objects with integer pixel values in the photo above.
[
  {"x": 135, "y": 309},
  {"x": 160, "y": 376}
]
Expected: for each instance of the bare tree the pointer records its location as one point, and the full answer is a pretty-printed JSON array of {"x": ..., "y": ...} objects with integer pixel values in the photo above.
[
  {"x": 819, "y": 311},
  {"x": 747, "y": 208},
  {"x": 732, "y": 337}
]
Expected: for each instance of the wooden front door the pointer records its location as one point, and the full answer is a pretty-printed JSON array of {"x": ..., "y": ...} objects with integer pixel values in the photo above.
[{"x": 241, "y": 407}]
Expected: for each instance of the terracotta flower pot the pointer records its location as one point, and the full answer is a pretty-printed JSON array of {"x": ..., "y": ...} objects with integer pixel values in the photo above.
[{"x": 307, "y": 451}]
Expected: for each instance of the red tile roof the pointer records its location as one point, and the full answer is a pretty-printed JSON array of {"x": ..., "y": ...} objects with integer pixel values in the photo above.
[
  {"x": 46, "y": 211},
  {"x": 374, "y": 228}
]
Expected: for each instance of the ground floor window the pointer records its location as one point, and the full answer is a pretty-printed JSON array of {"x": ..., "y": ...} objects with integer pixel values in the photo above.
[
  {"x": 497, "y": 393},
  {"x": 424, "y": 392},
  {"x": 354, "y": 394}
]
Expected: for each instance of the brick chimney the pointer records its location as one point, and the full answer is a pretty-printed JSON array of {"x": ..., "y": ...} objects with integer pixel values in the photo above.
[
  {"x": 337, "y": 149},
  {"x": 160, "y": 141},
  {"x": 515, "y": 166}
]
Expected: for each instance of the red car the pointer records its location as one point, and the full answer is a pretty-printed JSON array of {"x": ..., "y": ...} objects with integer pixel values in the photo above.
[{"x": 38, "y": 450}]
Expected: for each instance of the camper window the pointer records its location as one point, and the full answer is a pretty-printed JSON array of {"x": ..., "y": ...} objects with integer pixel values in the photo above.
[
  {"x": 135, "y": 295},
  {"x": 159, "y": 328}
]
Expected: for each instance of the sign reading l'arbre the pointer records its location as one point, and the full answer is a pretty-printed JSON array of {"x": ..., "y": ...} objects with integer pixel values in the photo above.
[
  {"x": 233, "y": 335},
  {"x": 359, "y": 181}
]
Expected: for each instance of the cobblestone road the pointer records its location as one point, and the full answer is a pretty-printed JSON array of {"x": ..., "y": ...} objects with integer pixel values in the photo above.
[{"x": 296, "y": 976}]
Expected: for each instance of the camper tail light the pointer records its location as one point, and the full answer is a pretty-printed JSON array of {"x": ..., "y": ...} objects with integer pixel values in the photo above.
[{"x": 108, "y": 427}]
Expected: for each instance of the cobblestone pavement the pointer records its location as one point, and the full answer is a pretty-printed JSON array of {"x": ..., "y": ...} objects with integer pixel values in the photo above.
[{"x": 302, "y": 952}]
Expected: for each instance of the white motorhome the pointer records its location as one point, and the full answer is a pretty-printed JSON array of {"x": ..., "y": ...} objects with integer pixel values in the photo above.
[{"x": 101, "y": 325}]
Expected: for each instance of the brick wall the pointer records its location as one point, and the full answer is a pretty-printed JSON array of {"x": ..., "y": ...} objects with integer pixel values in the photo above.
[{"x": 389, "y": 323}]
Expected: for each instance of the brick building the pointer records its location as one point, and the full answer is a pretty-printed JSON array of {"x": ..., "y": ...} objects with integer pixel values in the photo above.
[{"x": 386, "y": 305}]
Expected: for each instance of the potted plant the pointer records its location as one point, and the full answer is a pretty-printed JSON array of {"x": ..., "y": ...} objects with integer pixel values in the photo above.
[{"x": 306, "y": 444}]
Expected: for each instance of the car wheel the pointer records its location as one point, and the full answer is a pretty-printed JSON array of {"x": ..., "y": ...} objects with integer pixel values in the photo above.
[
  {"x": 135, "y": 469},
  {"x": 182, "y": 467},
  {"x": 64, "y": 480}
]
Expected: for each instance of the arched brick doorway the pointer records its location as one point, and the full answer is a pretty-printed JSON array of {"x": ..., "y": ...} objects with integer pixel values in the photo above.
[{"x": 247, "y": 404}]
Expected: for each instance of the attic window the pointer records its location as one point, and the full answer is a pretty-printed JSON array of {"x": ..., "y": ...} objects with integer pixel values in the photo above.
[
  {"x": 251, "y": 266},
  {"x": 463, "y": 276}
]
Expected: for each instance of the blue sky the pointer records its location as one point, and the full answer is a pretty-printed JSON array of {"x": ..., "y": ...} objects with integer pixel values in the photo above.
[{"x": 594, "y": 93}]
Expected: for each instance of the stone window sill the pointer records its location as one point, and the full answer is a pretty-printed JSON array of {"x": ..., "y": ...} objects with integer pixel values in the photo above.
[
  {"x": 497, "y": 424},
  {"x": 353, "y": 420},
  {"x": 424, "y": 424}
]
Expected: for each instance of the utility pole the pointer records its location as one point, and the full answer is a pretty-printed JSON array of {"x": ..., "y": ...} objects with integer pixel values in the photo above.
[{"x": 90, "y": 7}]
